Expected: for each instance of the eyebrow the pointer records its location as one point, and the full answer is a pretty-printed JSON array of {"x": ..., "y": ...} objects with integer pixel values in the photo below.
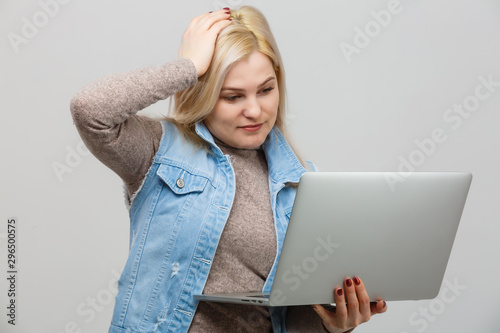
[{"x": 239, "y": 89}]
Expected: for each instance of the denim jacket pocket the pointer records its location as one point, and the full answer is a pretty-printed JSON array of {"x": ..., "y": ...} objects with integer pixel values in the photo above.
[{"x": 180, "y": 180}]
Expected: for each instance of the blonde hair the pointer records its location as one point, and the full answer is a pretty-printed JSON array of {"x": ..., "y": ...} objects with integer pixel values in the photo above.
[{"x": 248, "y": 32}]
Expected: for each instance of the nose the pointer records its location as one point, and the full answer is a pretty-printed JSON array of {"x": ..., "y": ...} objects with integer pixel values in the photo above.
[{"x": 252, "y": 107}]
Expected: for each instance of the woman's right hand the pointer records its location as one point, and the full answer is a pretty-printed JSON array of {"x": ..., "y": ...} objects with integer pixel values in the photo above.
[{"x": 198, "y": 41}]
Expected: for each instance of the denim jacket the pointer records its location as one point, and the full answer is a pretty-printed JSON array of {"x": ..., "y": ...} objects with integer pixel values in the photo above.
[{"x": 177, "y": 218}]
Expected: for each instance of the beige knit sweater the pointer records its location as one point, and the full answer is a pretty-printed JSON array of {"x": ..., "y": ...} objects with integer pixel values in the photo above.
[{"x": 105, "y": 115}]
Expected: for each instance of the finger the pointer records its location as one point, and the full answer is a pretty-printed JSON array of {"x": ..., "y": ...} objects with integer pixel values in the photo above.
[
  {"x": 218, "y": 26},
  {"x": 323, "y": 313},
  {"x": 198, "y": 29},
  {"x": 207, "y": 20},
  {"x": 363, "y": 299},
  {"x": 203, "y": 23},
  {"x": 341, "y": 308},
  {"x": 209, "y": 29},
  {"x": 378, "y": 307},
  {"x": 209, "y": 14},
  {"x": 221, "y": 22},
  {"x": 351, "y": 297}
]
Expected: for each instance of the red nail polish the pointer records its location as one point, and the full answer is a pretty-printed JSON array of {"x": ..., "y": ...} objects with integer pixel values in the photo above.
[
  {"x": 339, "y": 292},
  {"x": 356, "y": 280},
  {"x": 348, "y": 282},
  {"x": 226, "y": 8},
  {"x": 385, "y": 304}
]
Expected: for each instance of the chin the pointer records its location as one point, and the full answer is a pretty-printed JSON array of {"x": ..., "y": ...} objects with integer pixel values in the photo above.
[
  {"x": 253, "y": 144},
  {"x": 244, "y": 140}
]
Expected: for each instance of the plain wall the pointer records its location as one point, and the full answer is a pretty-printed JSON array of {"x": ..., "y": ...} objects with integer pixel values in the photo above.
[{"x": 370, "y": 109}]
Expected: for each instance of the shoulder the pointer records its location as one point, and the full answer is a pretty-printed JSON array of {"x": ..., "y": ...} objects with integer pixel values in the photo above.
[
  {"x": 172, "y": 137},
  {"x": 176, "y": 147}
]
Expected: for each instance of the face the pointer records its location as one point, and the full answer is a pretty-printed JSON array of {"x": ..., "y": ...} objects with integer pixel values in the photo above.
[{"x": 248, "y": 102}]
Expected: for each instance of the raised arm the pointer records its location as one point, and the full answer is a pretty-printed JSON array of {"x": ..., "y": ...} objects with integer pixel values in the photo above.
[
  {"x": 105, "y": 111},
  {"x": 105, "y": 115}
]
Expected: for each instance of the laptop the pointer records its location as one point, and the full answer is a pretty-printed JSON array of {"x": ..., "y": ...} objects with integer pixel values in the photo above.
[{"x": 393, "y": 230}]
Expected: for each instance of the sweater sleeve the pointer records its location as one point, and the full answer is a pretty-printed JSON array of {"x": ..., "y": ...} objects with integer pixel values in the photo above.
[
  {"x": 105, "y": 115},
  {"x": 304, "y": 319}
]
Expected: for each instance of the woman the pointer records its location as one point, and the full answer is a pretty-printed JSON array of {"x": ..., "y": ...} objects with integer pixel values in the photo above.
[{"x": 210, "y": 188}]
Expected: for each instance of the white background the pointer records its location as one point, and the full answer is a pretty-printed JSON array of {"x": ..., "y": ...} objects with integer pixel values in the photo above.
[{"x": 364, "y": 114}]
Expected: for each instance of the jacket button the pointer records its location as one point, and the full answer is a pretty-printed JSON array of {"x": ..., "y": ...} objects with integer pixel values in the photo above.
[{"x": 180, "y": 183}]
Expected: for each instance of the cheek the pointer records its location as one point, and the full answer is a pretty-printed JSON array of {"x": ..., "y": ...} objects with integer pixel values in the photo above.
[
  {"x": 222, "y": 116},
  {"x": 225, "y": 115},
  {"x": 272, "y": 106}
]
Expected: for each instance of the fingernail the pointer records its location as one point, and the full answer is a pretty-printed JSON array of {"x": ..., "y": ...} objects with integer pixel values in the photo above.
[
  {"x": 314, "y": 307},
  {"x": 385, "y": 304},
  {"x": 348, "y": 282},
  {"x": 226, "y": 8},
  {"x": 339, "y": 292},
  {"x": 210, "y": 12},
  {"x": 356, "y": 280}
]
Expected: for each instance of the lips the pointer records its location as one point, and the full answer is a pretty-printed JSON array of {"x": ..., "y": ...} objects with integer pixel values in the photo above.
[{"x": 251, "y": 128}]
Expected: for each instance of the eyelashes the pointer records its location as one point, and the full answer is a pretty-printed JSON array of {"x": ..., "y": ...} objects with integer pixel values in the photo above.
[{"x": 233, "y": 98}]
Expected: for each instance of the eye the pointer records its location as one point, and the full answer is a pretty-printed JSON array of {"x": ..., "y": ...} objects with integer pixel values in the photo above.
[
  {"x": 232, "y": 98},
  {"x": 267, "y": 90}
]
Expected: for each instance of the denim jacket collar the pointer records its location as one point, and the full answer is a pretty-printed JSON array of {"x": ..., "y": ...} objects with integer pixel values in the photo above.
[{"x": 284, "y": 166}]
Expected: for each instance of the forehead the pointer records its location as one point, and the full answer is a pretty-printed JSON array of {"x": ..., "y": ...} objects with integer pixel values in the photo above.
[{"x": 253, "y": 70}]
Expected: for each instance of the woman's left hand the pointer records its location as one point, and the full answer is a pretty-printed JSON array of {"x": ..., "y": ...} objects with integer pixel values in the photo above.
[{"x": 358, "y": 309}]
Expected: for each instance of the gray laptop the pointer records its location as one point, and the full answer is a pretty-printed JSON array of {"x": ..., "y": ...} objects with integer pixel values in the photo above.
[{"x": 393, "y": 230}]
